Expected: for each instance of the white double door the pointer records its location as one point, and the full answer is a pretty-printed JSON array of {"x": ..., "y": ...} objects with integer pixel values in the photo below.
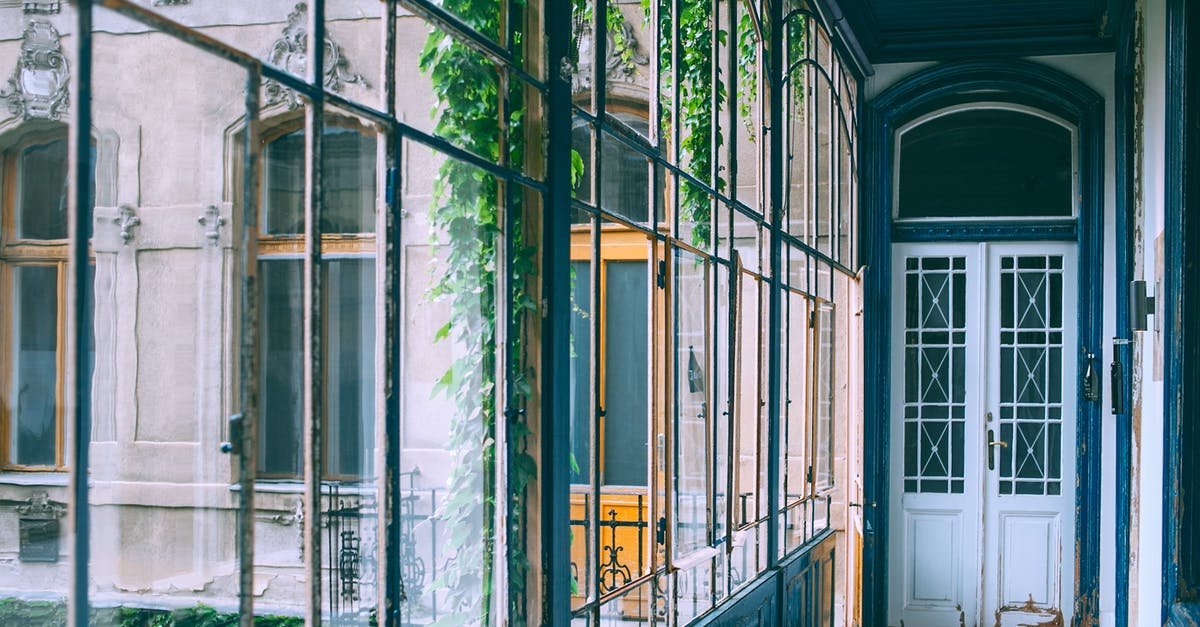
[{"x": 983, "y": 389}]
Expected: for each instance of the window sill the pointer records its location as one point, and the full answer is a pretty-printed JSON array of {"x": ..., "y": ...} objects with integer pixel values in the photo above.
[
  {"x": 47, "y": 479},
  {"x": 291, "y": 486}
]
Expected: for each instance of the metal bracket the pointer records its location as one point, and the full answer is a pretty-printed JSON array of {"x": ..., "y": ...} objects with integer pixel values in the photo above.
[{"x": 234, "y": 445}]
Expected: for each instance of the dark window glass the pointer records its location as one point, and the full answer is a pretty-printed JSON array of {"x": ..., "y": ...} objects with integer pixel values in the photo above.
[
  {"x": 35, "y": 366},
  {"x": 42, "y": 210},
  {"x": 625, "y": 372},
  {"x": 349, "y": 366},
  {"x": 625, "y": 173},
  {"x": 282, "y": 367},
  {"x": 349, "y": 169},
  {"x": 985, "y": 163},
  {"x": 581, "y": 363}
]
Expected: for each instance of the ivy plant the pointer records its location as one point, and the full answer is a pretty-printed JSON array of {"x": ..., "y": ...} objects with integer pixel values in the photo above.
[{"x": 469, "y": 227}]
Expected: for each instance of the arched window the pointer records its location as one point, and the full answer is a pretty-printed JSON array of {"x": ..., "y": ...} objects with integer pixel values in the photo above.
[
  {"x": 33, "y": 287},
  {"x": 986, "y": 161},
  {"x": 348, "y": 279}
]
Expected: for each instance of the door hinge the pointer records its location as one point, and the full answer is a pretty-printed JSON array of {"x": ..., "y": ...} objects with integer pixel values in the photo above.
[{"x": 662, "y": 275}]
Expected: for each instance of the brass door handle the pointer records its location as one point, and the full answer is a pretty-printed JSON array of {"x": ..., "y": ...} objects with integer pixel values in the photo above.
[{"x": 992, "y": 443}]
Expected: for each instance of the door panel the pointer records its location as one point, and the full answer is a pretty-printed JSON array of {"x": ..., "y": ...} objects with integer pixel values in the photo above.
[
  {"x": 935, "y": 513},
  {"x": 983, "y": 433},
  {"x": 1030, "y": 405}
]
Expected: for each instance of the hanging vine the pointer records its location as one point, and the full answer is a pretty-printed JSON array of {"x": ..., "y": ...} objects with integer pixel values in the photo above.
[{"x": 468, "y": 228}]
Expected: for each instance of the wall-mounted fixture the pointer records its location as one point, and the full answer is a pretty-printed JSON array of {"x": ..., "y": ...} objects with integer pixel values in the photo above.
[{"x": 1140, "y": 306}]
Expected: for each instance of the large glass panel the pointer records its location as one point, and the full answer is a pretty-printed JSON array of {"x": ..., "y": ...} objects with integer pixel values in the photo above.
[
  {"x": 983, "y": 163},
  {"x": 692, "y": 412},
  {"x": 33, "y": 396},
  {"x": 625, "y": 374}
]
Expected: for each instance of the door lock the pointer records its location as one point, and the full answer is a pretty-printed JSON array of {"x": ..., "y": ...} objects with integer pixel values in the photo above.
[{"x": 992, "y": 443}]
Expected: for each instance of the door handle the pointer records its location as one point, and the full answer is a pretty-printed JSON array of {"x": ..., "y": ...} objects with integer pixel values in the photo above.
[{"x": 992, "y": 443}]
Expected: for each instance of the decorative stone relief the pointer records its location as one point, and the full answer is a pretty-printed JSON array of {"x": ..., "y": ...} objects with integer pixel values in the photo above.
[
  {"x": 290, "y": 52},
  {"x": 39, "y": 505},
  {"x": 43, "y": 7},
  {"x": 38, "y": 85},
  {"x": 212, "y": 223},
  {"x": 126, "y": 219},
  {"x": 619, "y": 65}
]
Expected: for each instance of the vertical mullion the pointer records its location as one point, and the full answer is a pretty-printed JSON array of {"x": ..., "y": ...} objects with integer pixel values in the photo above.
[
  {"x": 594, "y": 331},
  {"x": 81, "y": 426},
  {"x": 775, "y": 77},
  {"x": 248, "y": 361},
  {"x": 314, "y": 131},
  {"x": 389, "y": 227},
  {"x": 556, "y": 330}
]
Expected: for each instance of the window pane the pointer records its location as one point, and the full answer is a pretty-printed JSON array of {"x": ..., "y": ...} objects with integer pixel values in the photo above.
[
  {"x": 986, "y": 163},
  {"x": 625, "y": 400},
  {"x": 581, "y": 371},
  {"x": 349, "y": 183},
  {"x": 824, "y": 397},
  {"x": 350, "y": 365},
  {"x": 33, "y": 396},
  {"x": 42, "y": 213},
  {"x": 282, "y": 367},
  {"x": 624, "y": 172},
  {"x": 693, "y": 443}
]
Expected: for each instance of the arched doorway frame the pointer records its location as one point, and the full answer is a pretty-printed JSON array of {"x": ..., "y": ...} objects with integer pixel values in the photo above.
[{"x": 1025, "y": 84}]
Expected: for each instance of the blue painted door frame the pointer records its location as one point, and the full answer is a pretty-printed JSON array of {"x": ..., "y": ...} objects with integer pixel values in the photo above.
[{"x": 1017, "y": 82}]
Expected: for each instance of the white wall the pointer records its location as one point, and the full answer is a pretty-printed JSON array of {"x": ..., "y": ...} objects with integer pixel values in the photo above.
[{"x": 1146, "y": 578}]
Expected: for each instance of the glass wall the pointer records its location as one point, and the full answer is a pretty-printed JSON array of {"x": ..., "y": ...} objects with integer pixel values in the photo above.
[
  {"x": 721, "y": 255},
  {"x": 277, "y": 313}
]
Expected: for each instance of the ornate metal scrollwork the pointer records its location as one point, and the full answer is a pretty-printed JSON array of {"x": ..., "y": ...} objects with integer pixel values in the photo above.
[
  {"x": 38, "y": 85},
  {"x": 349, "y": 565},
  {"x": 290, "y": 52},
  {"x": 613, "y": 574}
]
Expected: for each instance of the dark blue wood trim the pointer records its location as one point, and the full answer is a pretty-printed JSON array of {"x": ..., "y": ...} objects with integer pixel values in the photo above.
[
  {"x": 1126, "y": 163},
  {"x": 1018, "y": 82},
  {"x": 554, "y": 429},
  {"x": 1172, "y": 298},
  {"x": 1039, "y": 231}
]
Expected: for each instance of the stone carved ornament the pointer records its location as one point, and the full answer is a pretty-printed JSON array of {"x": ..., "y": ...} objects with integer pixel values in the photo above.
[
  {"x": 38, "y": 85},
  {"x": 615, "y": 67},
  {"x": 40, "y": 506},
  {"x": 290, "y": 52}
]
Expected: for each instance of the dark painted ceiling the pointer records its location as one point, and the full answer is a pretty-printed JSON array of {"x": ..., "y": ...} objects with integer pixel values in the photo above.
[{"x": 918, "y": 30}]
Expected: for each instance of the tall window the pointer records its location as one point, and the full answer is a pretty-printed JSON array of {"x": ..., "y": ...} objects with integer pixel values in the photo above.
[
  {"x": 348, "y": 277},
  {"x": 33, "y": 279}
]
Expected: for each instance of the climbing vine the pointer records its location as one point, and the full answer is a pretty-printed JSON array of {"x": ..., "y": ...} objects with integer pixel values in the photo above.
[
  {"x": 468, "y": 222},
  {"x": 468, "y": 228}
]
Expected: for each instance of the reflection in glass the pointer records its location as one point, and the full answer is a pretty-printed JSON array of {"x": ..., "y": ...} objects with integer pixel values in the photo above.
[
  {"x": 42, "y": 212},
  {"x": 33, "y": 396}
]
